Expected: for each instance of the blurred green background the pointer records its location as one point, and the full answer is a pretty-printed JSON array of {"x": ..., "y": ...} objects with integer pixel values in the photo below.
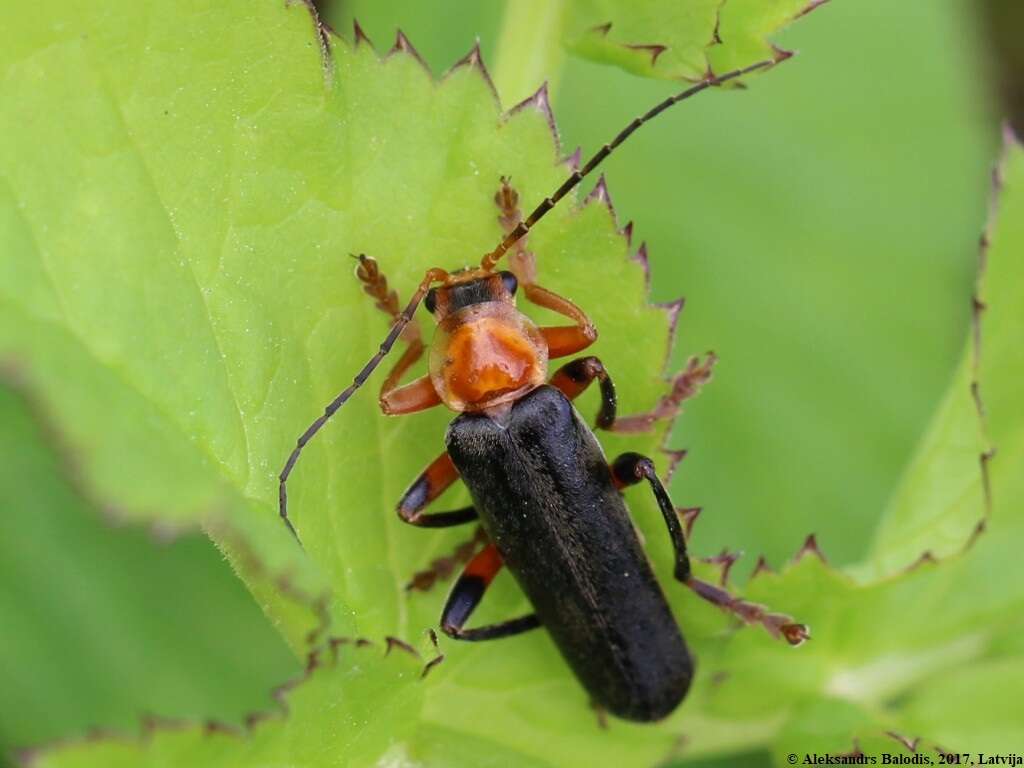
[{"x": 861, "y": 169}]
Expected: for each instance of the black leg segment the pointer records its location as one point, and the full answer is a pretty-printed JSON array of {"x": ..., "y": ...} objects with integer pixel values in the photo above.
[
  {"x": 573, "y": 379},
  {"x": 466, "y": 596},
  {"x": 428, "y": 486},
  {"x": 631, "y": 468}
]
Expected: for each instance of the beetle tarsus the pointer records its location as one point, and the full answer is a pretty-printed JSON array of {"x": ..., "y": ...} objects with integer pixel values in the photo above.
[
  {"x": 778, "y": 624},
  {"x": 441, "y": 568},
  {"x": 684, "y": 386},
  {"x": 438, "y": 656}
]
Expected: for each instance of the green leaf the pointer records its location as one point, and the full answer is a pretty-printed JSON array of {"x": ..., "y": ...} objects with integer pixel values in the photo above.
[
  {"x": 671, "y": 40},
  {"x": 179, "y": 240},
  {"x": 215, "y": 310},
  {"x": 977, "y": 708},
  {"x": 836, "y": 727},
  {"x": 883, "y": 645},
  {"x": 666, "y": 40},
  {"x": 366, "y": 725},
  {"x": 746, "y": 26},
  {"x": 101, "y": 624},
  {"x": 181, "y": 299},
  {"x": 840, "y": 305},
  {"x": 942, "y": 499}
]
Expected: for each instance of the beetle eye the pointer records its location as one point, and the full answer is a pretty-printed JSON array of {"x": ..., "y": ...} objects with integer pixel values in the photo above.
[
  {"x": 431, "y": 301},
  {"x": 510, "y": 282}
]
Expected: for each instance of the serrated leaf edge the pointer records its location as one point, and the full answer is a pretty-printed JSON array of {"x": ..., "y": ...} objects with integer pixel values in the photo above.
[
  {"x": 13, "y": 377},
  {"x": 153, "y": 725},
  {"x": 654, "y": 49}
]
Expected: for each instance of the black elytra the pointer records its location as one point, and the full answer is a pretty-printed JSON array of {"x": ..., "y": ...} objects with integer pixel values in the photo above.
[{"x": 546, "y": 498}]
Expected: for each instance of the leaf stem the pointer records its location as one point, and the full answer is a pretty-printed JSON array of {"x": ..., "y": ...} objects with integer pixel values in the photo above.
[{"x": 530, "y": 48}]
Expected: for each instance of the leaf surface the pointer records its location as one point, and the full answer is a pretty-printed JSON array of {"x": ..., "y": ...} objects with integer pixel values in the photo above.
[
  {"x": 366, "y": 726},
  {"x": 182, "y": 300},
  {"x": 889, "y": 641},
  {"x": 87, "y": 607},
  {"x": 179, "y": 249},
  {"x": 671, "y": 41}
]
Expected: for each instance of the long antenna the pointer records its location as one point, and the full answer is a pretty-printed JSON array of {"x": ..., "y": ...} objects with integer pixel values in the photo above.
[
  {"x": 487, "y": 264},
  {"x": 491, "y": 259},
  {"x": 432, "y": 276}
]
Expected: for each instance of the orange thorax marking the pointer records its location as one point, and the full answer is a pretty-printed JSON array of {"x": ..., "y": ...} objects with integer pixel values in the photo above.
[
  {"x": 485, "y": 355},
  {"x": 488, "y": 358}
]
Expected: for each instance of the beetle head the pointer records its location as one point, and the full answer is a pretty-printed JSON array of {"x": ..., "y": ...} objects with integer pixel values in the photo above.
[{"x": 485, "y": 352}]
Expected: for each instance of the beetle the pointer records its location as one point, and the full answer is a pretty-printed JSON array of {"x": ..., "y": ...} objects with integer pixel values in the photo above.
[{"x": 549, "y": 503}]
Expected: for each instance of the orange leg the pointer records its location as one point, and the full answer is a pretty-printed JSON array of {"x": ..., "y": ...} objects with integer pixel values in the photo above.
[
  {"x": 431, "y": 483},
  {"x": 419, "y": 394},
  {"x": 562, "y": 340},
  {"x": 573, "y": 378},
  {"x": 466, "y": 596}
]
